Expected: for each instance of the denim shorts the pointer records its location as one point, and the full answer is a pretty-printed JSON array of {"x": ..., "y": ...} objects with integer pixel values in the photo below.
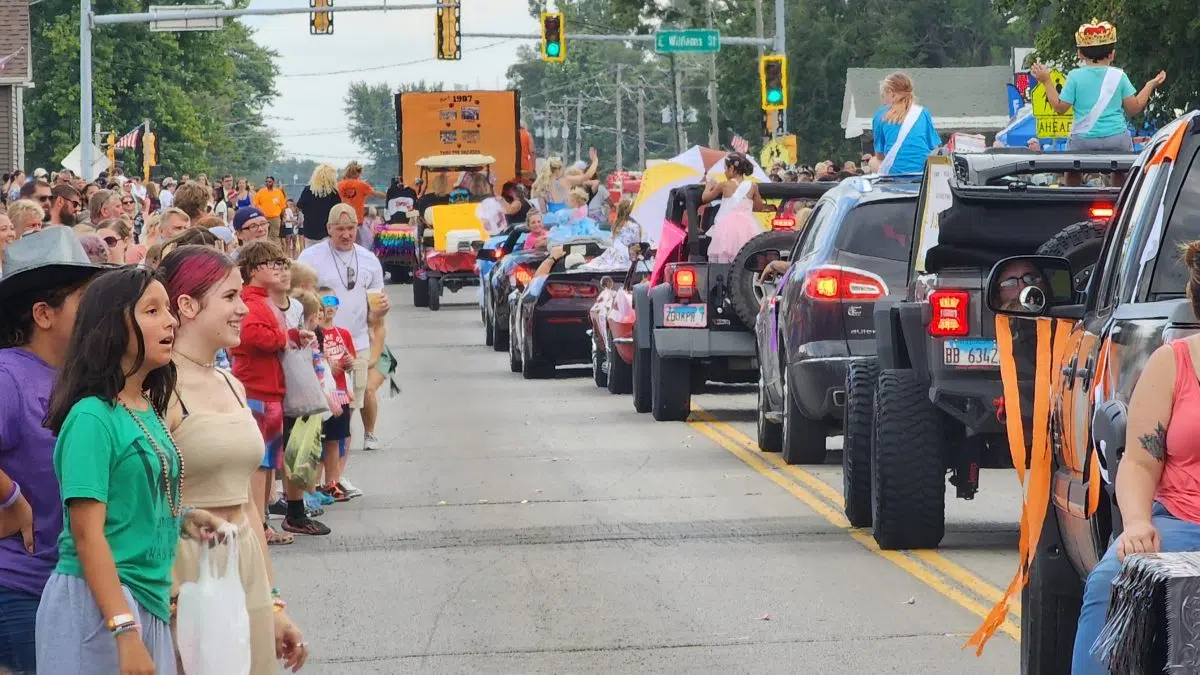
[
  {"x": 18, "y": 613},
  {"x": 1121, "y": 142}
]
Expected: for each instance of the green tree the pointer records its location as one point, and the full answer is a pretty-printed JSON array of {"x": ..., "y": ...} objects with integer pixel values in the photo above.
[
  {"x": 204, "y": 92},
  {"x": 1153, "y": 35},
  {"x": 371, "y": 111}
]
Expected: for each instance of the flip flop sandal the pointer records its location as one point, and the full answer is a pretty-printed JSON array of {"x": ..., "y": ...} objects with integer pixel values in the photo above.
[{"x": 278, "y": 538}]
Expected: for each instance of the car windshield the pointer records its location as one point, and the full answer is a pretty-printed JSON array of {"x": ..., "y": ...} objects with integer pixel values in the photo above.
[
  {"x": 879, "y": 230},
  {"x": 1171, "y": 274}
]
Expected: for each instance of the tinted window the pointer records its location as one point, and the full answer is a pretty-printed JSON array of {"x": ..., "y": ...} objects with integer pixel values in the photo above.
[
  {"x": 816, "y": 232},
  {"x": 1170, "y": 274},
  {"x": 880, "y": 229}
]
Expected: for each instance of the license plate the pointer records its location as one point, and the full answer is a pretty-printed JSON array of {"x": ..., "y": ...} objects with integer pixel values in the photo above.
[
  {"x": 971, "y": 354},
  {"x": 686, "y": 316}
]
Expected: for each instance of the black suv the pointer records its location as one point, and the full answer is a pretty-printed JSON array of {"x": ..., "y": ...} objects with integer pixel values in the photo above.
[
  {"x": 1134, "y": 303},
  {"x": 852, "y": 253},
  {"x": 696, "y": 322},
  {"x": 937, "y": 405}
]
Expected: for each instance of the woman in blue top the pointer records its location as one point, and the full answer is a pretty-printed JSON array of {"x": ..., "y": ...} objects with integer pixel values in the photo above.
[{"x": 903, "y": 130}]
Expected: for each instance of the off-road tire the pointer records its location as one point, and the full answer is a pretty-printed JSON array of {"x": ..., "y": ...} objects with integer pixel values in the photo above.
[
  {"x": 856, "y": 440},
  {"x": 598, "y": 375},
  {"x": 908, "y": 474},
  {"x": 620, "y": 374},
  {"x": 741, "y": 280},
  {"x": 420, "y": 292},
  {"x": 435, "y": 295},
  {"x": 803, "y": 438},
  {"x": 640, "y": 387},
  {"x": 1079, "y": 243},
  {"x": 670, "y": 387},
  {"x": 1050, "y": 605},
  {"x": 770, "y": 434}
]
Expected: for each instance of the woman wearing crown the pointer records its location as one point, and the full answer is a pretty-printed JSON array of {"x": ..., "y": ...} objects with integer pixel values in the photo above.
[{"x": 1101, "y": 94}]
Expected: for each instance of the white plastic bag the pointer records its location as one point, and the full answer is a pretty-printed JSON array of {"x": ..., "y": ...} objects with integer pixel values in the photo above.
[{"x": 212, "y": 627}]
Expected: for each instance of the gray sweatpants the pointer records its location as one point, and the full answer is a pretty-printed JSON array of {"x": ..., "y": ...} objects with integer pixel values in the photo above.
[{"x": 73, "y": 638}]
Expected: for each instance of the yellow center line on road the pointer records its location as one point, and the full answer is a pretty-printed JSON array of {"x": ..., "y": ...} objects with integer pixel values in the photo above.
[{"x": 929, "y": 567}]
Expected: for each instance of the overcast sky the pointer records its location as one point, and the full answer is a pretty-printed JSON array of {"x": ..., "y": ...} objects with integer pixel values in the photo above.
[{"x": 308, "y": 113}]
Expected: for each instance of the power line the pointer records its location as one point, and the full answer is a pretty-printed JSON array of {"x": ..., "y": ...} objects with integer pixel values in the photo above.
[{"x": 365, "y": 69}]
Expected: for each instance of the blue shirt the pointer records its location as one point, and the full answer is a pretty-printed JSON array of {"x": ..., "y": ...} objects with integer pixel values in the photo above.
[
  {"x": 1082, "y": 90},
  {"x": 921, "y": 141}
]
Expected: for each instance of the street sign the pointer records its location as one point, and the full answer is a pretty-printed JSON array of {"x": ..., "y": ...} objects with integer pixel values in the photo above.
[
  {"x": 167, "y": 24},
  {"x": 1050, "y": 124},
  {"x": 693, "y": 41}
]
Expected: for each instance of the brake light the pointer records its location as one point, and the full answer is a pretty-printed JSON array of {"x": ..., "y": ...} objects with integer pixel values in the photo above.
[
  {"x": 783, "y": 224},
  {"x": 949, "y": 313},
  {"x": 1101, "y": 212},
  {"x": 684, "y": 281},
  {"x": 522, "y": 276},
  {"x": 839, "y": 283}
]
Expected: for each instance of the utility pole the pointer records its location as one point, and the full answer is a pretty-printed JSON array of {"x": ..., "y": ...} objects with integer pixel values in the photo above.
[
  {"x": 641, "y": 129},
  {"x": 781, "y": 48},
  {"x": 759, "y": 29},
  {"x": 714, "y": 118},
  {"x": 566, "y": 128},
  {"x": 675, "y": 111},
  {"x": 578, "y": 128},
  {"x": 85, "y": 89},
  {"x": 620, "y": 129}
]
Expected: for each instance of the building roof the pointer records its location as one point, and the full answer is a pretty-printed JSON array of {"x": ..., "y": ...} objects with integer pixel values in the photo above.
[{"x": 959, "y": 99}]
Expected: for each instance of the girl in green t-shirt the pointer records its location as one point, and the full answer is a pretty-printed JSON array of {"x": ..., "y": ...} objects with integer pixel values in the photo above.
[{"x": 106, "y": 608}]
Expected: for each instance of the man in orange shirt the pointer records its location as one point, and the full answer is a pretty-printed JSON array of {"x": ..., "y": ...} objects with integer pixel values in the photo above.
[
  {"x": 354, "y": 190},
  {"x": 271, "y": 200}
]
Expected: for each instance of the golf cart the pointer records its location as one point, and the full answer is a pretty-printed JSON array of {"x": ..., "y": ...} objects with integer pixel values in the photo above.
[{"x": 448, "y": 235}]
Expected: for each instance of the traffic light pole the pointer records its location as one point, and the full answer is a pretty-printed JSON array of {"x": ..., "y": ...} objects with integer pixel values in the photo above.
[{"x": 88, "y": 22}]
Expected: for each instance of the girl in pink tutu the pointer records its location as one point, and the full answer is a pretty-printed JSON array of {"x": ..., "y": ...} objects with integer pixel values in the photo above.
[{"x": 735, "y": 223}]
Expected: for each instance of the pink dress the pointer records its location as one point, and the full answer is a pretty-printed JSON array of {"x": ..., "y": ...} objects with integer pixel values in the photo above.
[{"x": 734, "y": 226}]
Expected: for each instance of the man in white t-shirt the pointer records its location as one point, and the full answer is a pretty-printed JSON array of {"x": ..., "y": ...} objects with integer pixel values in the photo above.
[{"x": 350, "y": 270}]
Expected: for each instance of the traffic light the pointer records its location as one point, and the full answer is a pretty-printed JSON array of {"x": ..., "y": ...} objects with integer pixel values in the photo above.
[
  {"x": 554, "y": 46},
  {"x": 149, "y": 152},
  {"x": 111, "y": 144},
  {"x": 449, "y": 44},
  {"x": 772, "y": 71},
  {"x": 320, "y": 23}
]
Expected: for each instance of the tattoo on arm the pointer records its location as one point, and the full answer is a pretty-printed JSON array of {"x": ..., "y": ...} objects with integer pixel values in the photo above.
[{"x": 1155, "y": 442}]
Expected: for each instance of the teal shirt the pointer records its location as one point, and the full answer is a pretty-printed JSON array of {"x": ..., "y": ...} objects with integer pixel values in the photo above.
[
  {"x": 1082, "y": 90},
  {"x": 102, "y": 454}
]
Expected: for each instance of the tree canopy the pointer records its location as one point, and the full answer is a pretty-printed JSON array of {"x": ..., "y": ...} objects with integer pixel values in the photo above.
[{"x": 204, "y": 92}]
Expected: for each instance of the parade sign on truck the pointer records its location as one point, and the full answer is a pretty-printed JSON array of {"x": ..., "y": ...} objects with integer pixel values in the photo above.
[{"x": 459, "y": 123}]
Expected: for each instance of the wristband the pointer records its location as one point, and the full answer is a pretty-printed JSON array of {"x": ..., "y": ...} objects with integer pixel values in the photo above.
[
  {"x": 13, "y": 496},
  {"x": 126, "y": 628},
  {"x": 120, "y": 621}
]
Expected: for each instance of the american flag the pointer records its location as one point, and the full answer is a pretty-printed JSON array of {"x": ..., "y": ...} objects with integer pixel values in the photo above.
[
  {"x": 740, "y": 144},
  {"x": 129, "y": 140}
]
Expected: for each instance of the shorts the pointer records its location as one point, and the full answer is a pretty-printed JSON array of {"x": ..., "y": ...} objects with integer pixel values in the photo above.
[
  {"x": 269, "y": 415},
  {"x": 337, "y": 428},
  {"x": 287, "y": 230},
  {"x": 1121, "y": 142}
]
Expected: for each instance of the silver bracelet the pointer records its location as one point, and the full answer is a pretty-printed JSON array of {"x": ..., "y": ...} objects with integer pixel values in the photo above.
[{"x": 13, "y": 497}]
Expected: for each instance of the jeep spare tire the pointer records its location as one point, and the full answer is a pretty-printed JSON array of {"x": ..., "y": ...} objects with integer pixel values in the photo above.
[
  {"x": 745, "y": 291},
  {"x": 1079, "y": 243}
]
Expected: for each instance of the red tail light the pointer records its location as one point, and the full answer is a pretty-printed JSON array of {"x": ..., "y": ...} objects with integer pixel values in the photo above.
[
  {"x": 566, "y": 290},
  {"x": 684, "y": 281},
  {"x": 949, "y": 313},
  {"x": 840, "y": 283},
  {"x": 783, "y": 223},
  {"x": 522, "y": 276},
  {"x": 1101, "y": 211}
]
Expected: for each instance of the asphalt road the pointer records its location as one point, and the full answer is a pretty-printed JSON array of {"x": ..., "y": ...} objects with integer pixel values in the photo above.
[{"x": 545, "y": 527}]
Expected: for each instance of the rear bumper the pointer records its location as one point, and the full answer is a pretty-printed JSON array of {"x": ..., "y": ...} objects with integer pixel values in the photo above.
[
  {"x": 819, "y": 386},
  {"x": 699, "y": 343},
  {"x": 972, "y": 401},
  {"x": 562, "y": 338}
]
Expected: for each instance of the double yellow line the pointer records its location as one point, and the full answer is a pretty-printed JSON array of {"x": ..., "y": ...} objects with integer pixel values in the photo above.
[{"x": 930, "y": 567}]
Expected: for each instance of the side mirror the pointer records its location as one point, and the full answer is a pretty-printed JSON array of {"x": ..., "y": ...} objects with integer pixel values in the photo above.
[{"x": 1030, "y": 285}]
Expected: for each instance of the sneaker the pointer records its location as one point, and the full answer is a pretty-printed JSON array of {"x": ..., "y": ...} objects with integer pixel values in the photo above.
[
  {"x": 322, "y": 498},
  {"x": 278, "y": 508},
  {"x": 370, "y": 442},
  {"x": 335, "y": 493},
  {"x": 312, "y": 505},
  {"x": 348, "y": 488},
  {"x": 306, "y": 526}
]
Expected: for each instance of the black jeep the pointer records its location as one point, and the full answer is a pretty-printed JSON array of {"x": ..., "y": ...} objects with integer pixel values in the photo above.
[{"x": 937, "y": 405}]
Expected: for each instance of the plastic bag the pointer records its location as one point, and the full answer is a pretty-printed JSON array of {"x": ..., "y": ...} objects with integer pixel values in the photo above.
[
  {"x": 302, "y": 456},
  {"x": 304, "y": 395},
  {"x": 212, "y": 627}
]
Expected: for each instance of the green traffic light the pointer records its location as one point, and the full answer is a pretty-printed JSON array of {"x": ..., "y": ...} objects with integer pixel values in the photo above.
[
  {"x": 774, "y": 96},
  {"x": 553, "y": 49}
]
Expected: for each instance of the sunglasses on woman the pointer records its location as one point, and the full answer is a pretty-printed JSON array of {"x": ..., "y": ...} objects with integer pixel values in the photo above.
[{"x": 111, "y": 242}]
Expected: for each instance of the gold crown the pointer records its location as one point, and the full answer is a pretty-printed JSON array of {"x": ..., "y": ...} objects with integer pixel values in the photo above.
[{"x": 1096, "y": 34}]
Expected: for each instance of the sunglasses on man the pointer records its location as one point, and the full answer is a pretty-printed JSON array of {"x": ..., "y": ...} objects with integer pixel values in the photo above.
[{"x": 1029, "y": 279}]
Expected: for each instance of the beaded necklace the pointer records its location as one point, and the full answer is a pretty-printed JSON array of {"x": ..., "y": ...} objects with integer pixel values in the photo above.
[{"x": 177, "y": 506}]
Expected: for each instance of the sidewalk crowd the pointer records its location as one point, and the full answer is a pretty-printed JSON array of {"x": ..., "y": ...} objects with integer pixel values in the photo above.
[{"x": 231, "y": 335}]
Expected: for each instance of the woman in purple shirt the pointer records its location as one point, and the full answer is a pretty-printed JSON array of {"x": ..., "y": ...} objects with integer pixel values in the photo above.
[{"x": 44, "y": 277}]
